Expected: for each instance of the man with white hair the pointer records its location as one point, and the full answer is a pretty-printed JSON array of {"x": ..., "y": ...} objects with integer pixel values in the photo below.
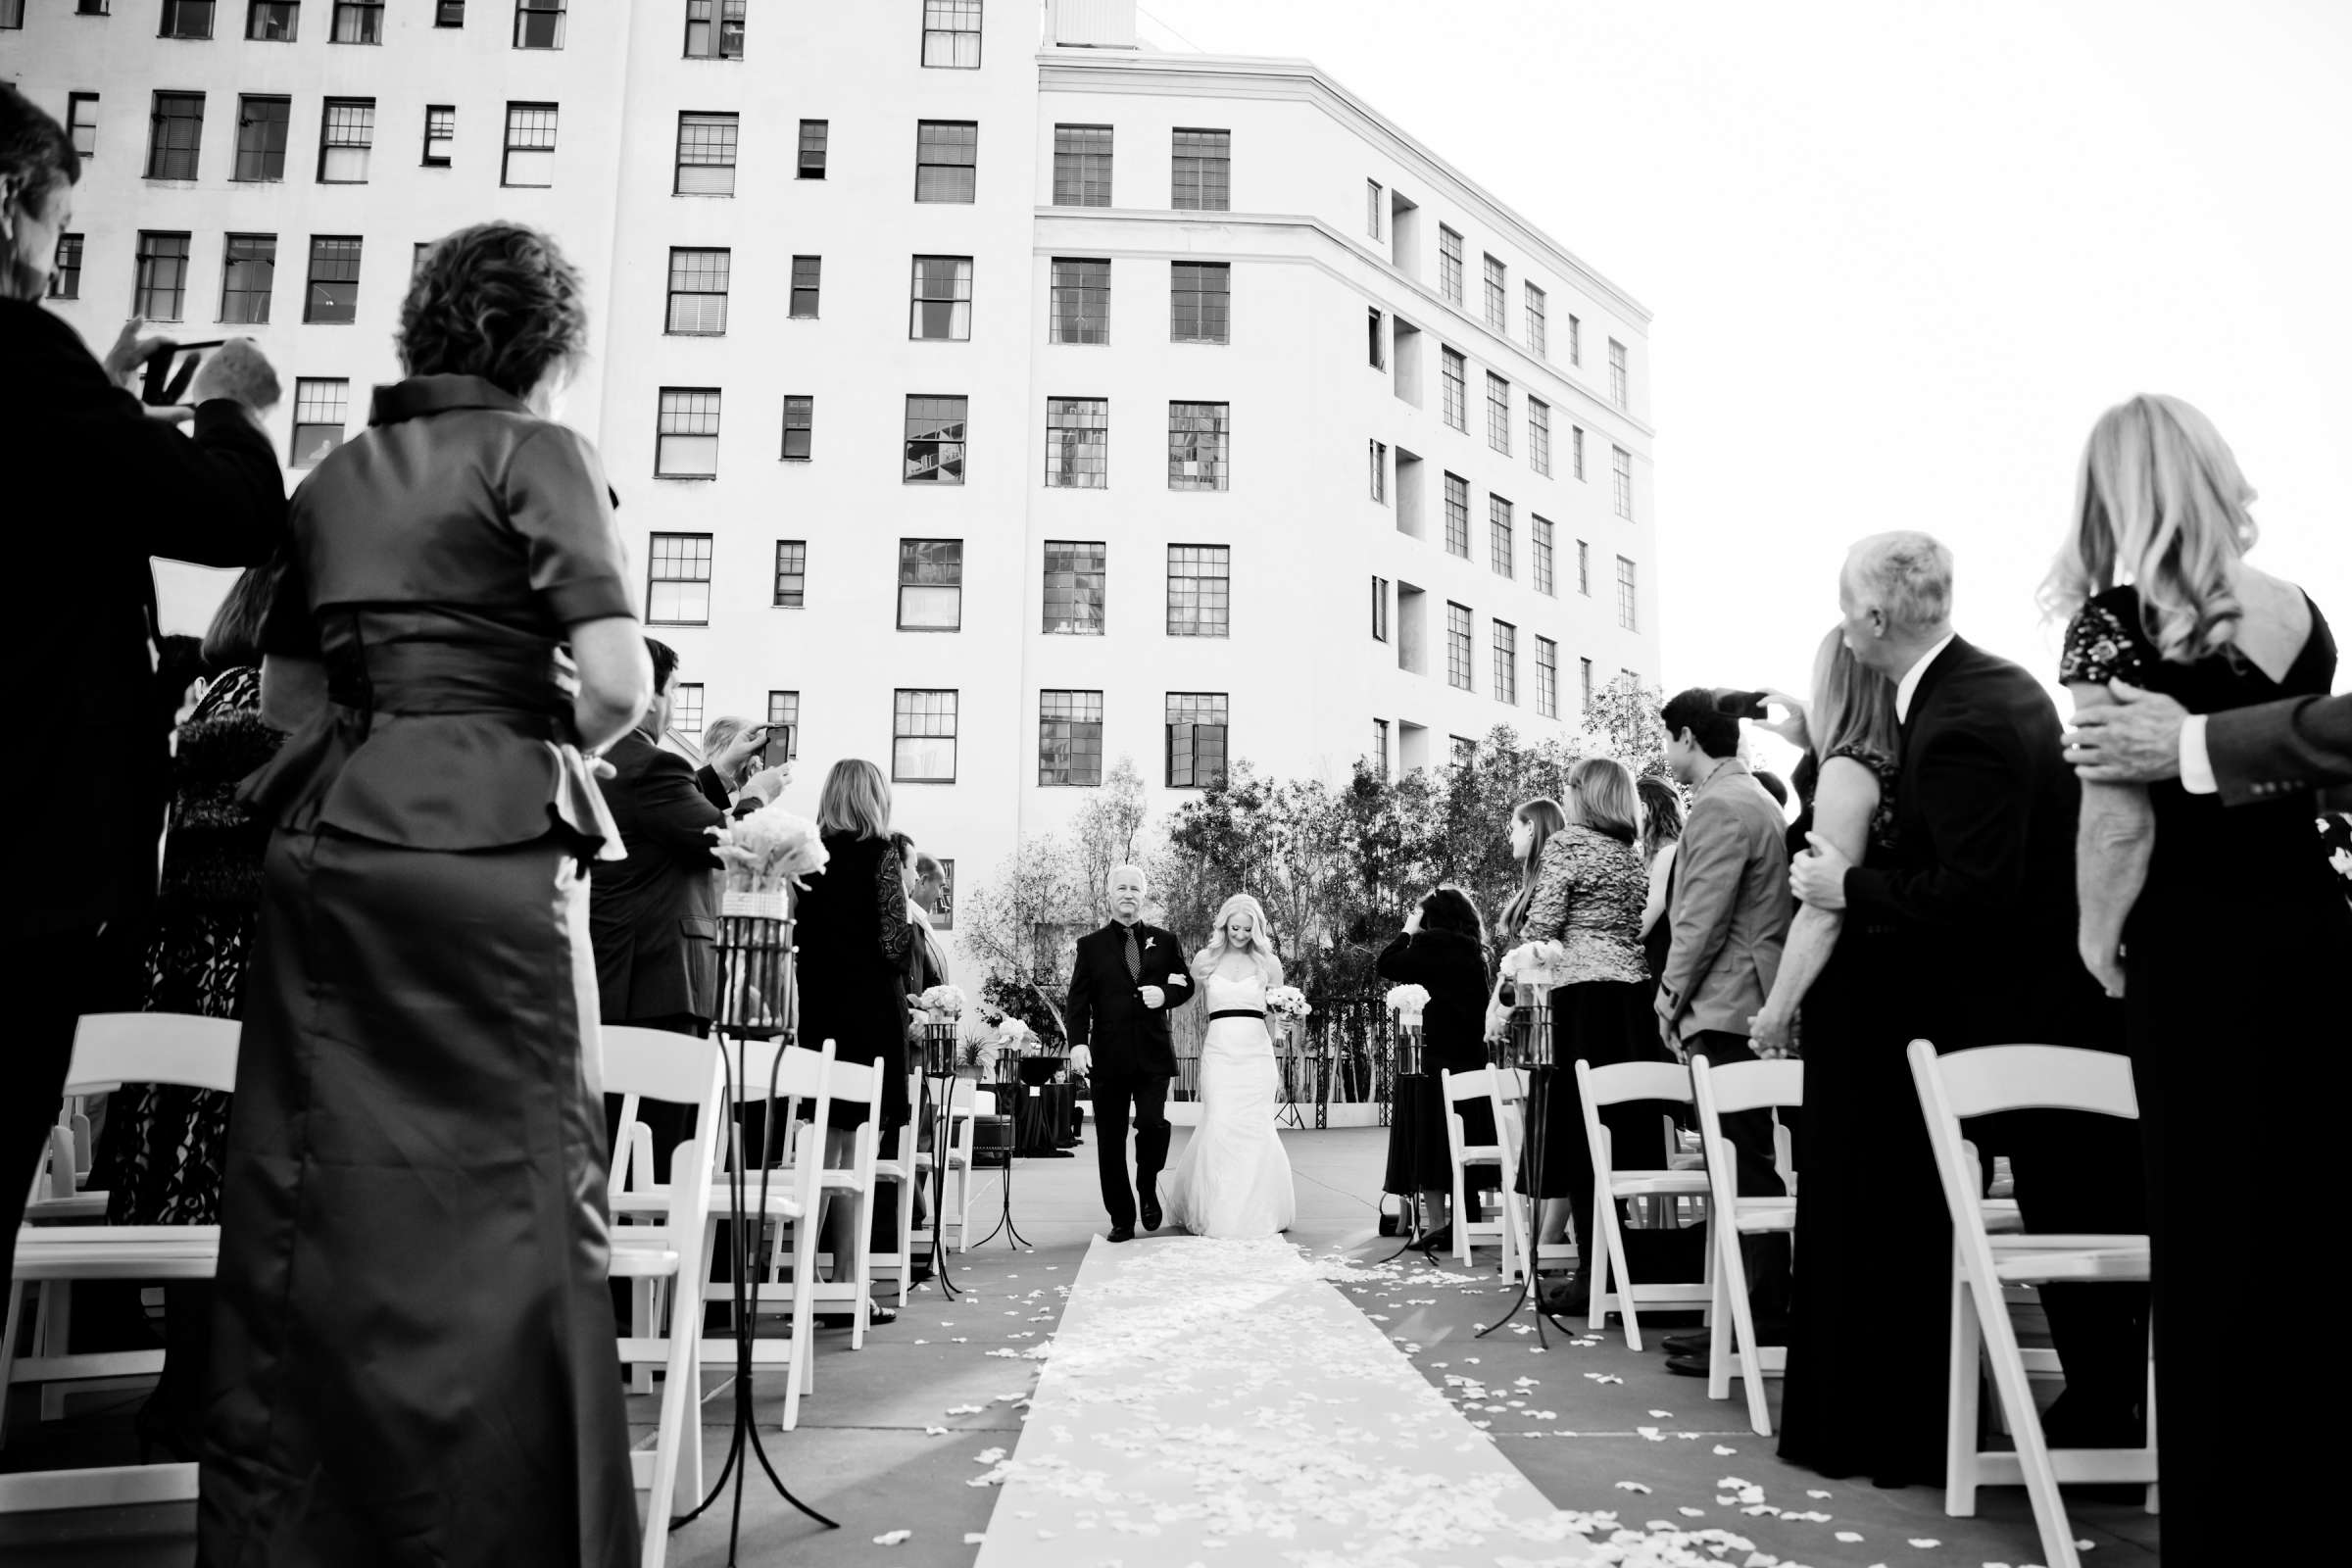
[
  {"x": 1981, "y": 894},
  {"x": 1123, "y": 982}
]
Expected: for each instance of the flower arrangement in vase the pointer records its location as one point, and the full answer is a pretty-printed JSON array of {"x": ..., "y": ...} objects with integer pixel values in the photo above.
[{"x": 1407, "y": 1002}]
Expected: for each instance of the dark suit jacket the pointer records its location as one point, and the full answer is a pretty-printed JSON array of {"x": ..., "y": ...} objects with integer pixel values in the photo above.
[
  {"x": 1107, "y": 1011},
  {"x": 2260, "y": 754},
  {"x": 654, "y": 917},
  {"x": 1980, "y": 886},
  {"x": 98, "y": 488},
  {"x": 706, "y": 779}
]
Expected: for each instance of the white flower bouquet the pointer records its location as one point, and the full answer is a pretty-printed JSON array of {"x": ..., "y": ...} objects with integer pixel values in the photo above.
[
  {"x": 1288, "y": 1003},
  {"x": 762, "y": 854},
  {"x": 944, "y": 1003},
  {"x": 1408, "y": 1001}
]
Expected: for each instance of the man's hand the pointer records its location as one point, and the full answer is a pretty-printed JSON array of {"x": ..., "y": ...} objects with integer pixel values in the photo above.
[
  {"x": 1082, "y": 1059},
  {"x": 730, "y": 758},
  {"x": 1818, "y": 879},
  {"x": 2138, "y": 741},
  {"x": 2105, "y": 962},
  {"x": 1153, "y": 997},
  {"x": 1771, "y": 1035},
  {"x": 130, "y": 352},
  {"x": 239, "y": 372}
]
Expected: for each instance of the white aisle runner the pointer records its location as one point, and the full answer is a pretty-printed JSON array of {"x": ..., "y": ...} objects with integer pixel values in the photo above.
[{"x": 1214, "y": 1402}]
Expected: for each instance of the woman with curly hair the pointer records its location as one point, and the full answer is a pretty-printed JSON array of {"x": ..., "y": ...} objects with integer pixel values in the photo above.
[
  {"x": 413, "y": 1345},
  {"x": 1233, "y": 1178}
]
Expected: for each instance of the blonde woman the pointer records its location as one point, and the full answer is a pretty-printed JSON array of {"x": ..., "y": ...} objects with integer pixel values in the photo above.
[
  {"x": 2221, "y": 927},
  {"x": 1233, "y": 1178}
]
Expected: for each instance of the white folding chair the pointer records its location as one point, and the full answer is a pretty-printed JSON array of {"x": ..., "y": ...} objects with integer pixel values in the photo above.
[
  {"x": 1738, "y": 1086},
  {"x": 902, "y": 1173},
  {"x": 111, "y": 1050},
  {"x": 1612, "y": 1284},
  {"x": 1976, "y": 1083},
  {"x": 678, "y": 1069},
  {"x": 851, "y": 1184},
  {"x": 1469, "y": 1231}
]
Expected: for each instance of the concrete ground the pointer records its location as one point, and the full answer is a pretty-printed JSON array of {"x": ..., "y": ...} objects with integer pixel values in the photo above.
[{"x": 863, "y": 1456}]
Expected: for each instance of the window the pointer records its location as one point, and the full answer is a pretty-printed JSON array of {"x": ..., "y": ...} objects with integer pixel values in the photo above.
[
  {"x": 686, "y": 433},
  {"x": 946, "y": 159},
  {"x": 346, "y": 133},
  {"x": 1457, "y": 646},
  {"x": 539, "y": 23},
  {"x": 64, "y": 282},
  {"x": 11, "y": 15},
  {"x": 1069, "y": 738},
  {"x": 1548, "y": 678},
  {"x": 1379, "y": 454},
  {"x": 449, "y": 13},
  {"x": 697, "y": 292},
  {"x": 1585, "y": 683},
  {"x": 1379, "y": 609},
  {"x": 1202, "y": 173},
  {"x": 941, "y": 306},
  {"x": 1539, "y": 435},
  {"x": 1497, "y": 299},
  {"x": 807, "y": 276},
  {"x": 792, "y": 574},
  {"x": 81, "y": 122},
  {"x": 1199, "y": 302},
  {"x": 784, "y": 709},
  {"x": 686, "y": 709},
  {"x": 1465, "y": 749},
  {"x": 1506, "y": 662},
  {"x": 440, "y": 133},
  {"x": 935, "y": 440},
  {"x": 1380, "y": 746},
  {"x": 922, "y": 744},
  {"x": 1455, "y": 372},
  {"x": 1499, "y": 413},
  {"x": 1576, "y": 341},
  {"x": 91, "y": 8},
  {"x": 1576, "y": 449},
  {"x": 174, "y": 135},
  {"x": 531, "y": 160},
  {"x": 333, "y": 295},
  {"x": 262, "y": 138},
  {"x": 1502, "y": 547},
  {"x": 416, "y": 255},
  {"x": 1077, "y": 443},
  {"x": 814, "y": 135},
  {"x": 951, "y": 34},
  {"x": 1075, "y": 577},
  {"x": 1081, "y": 303},
  {"x": 271, "y": 21},
  {"x": 1629, "y": 613},
  {"x": 715, "y": 29},
  {"x": 319, "y": 411},
  {"x": 1583, "y": 568},
  {"x": 162, "y": 276},
  {"x": 1199, "y": 457},
  {"x": 1621, "y": 476},
  {"x": 677, "y": 581},
  {"x": 1377, "y": 341},
  {"x": 1082, "y": 166},
  {"x": 359, "y": 21},
  {"x": 1457, "y": 516},
  {"x": 185, "y": 19},
  {"x": 1618, "y": 389},
  {"x": 930, "y": 585},
  {"x": 1373, "y": 207},
  {"x": 1195, "y": 723},
  {"x": 1200, "y": 590},
  {"x": 799, "y": 427},
  {"x": 248, "y": 268},
  {"x": 1537, "y": 329},
  {"x": 706, "y": 155},
  {"x": 1540, "y": 552},
  {"x": 1449, "y": 265}
]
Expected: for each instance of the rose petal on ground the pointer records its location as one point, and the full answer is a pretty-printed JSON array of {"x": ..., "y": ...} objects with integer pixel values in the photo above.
[{"x": 893, "y": 1538}]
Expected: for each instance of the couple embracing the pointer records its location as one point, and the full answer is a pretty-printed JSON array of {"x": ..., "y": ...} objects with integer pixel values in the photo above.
[{"x": 1233, "y": 1178}]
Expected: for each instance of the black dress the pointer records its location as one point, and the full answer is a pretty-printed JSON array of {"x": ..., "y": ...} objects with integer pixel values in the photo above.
[
  {"x": 1452, "y": 968},
  {"x": 851, "y": 935},
  {"x": 1870, "y": 1317},
  {"x": 2233, "y": 958}
]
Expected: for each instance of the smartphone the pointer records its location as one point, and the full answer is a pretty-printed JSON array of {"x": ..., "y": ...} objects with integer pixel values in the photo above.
[
  {"x": 1740, "y": 705},
  {"x": 170, "y": 366},
  {"x": 778, "y": 748}
]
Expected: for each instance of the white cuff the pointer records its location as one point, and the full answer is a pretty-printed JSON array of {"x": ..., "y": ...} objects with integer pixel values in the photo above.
[{"x": 2196, "y": 767}]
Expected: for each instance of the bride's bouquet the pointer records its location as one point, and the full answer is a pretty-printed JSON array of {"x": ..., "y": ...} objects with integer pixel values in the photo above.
[
  {"x": 1289, "y": 1004},
  {"x": 1535, "y": 966},
  {"x": 1408, "y": 1003}
]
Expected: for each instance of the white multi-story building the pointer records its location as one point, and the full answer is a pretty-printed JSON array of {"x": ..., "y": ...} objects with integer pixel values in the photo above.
[{"x": 988, "y": 409}]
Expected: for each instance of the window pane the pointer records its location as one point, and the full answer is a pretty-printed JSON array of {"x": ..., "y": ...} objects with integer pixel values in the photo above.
[
  {"x": 175, "y": 133},
  {"x": 706, "y": 155},
  {"x": 262, "y": 138},
  {"x": 1195, "y": 724},
  {"x": 814, "y": 133},
  {"x": 698, "y": 291},
  {"x": 792, "y": 573},
  {"x": 1200, "y": 579},
  {"x": 951, "y": 34},
  {"x": 923, "y": 736},
  {"x": 678, "y": 579},
  {"x": 686, "y": 433},
  {"x": 1202, "y": 160},
  {"x": 1457, "y": 516},
  {"x": 942, "y": 304},
  {"x": 1077, "y": 443},
  {"x": 1074, "y": 586},
  {"x": 319, "y": 407},
  {"x": 1081, "y": 302},
  {"x": 808, "y": 274},
  {"x": 799, "y": 427},
  {"x": 1455, "y": 372},
  {"x": 334, "y": 279},
  {"x": 1082, "y": 166},
  {"x": 1069, "y": 738},
  {"x": 539, "y": 23},
  {"x": 530, "y": 156},
  {"x": 249, "y": 268},
  {"x": 1198, "y": 438},
  {"x": 946, "y": 155},
  {"x": 1199, "y": 302},
  {"x": 935, "y": 440}
]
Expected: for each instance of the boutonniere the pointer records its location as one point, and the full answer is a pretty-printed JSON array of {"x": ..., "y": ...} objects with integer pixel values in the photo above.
[{"x": 1148, "y": 941}]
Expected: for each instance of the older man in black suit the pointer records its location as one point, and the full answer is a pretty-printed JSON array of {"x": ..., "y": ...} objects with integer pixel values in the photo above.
[{"x": 1125, "y": 980}]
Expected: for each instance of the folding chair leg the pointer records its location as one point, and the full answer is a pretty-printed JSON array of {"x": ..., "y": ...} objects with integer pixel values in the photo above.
[
  {"x": 1721, "y": 1347},
  {"x": 1731, "y": 1282},
  {"x": 907, "y": 1227},
  {"x": 803, "y": 1366},
  {"x": 1461, "y": 1218},
  {"x": 7, "y": 1351},
  {"x": 2033, "y": 1450},
  {"x": 1962, "y": 1400},
  {"x": 862, "y": 1270},
  {"x": 53, "y": 1335}
]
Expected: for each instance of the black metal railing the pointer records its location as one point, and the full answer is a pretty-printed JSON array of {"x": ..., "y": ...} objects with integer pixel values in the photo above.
[{"x": 1346, "y": 1059}]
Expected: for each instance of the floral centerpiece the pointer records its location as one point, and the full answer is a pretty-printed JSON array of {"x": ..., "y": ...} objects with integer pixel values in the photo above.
[
  {"x": 1536, "y": 967},
  {"x": 1408, "y": 1003},
  {"x": 764, "y": 857},
  {"x": 939, "y": 1004}
]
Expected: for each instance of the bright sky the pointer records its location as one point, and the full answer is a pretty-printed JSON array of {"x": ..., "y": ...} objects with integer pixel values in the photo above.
[{"x": 1900, "y": 256}]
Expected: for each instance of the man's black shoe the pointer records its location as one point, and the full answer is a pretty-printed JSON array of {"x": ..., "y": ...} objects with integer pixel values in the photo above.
[
  {"x": 1151, "y": 1216},
  {"x": 1572, "y": 1298},
  {"x": 1688, "y": 1343},
  {"x": 1122, "y": 1233},
  {"x": 1687, "y": 1366}
]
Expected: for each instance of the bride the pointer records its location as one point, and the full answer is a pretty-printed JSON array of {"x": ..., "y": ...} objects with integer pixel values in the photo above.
[{"x": 1233, "y": 1178}]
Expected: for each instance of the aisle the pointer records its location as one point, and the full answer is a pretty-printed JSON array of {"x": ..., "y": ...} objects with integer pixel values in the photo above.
[{"x": 1213, "y": 1401}]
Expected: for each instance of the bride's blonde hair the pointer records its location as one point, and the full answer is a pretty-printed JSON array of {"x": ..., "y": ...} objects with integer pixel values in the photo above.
[{"x": 1261, "y": 941}]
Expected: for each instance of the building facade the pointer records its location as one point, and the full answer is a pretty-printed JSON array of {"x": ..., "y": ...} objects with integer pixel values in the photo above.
[{"x": 991, "y": 407}]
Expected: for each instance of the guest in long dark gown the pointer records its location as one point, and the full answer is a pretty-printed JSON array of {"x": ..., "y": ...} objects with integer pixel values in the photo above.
[
  {"x": 2222, "y": 926},
  {"x": 1442, "y": 949},
  {"x": 412, "y": 1347},
  {"x": 1873, "y": 1244},
  {"x": 852, "y": 935}
]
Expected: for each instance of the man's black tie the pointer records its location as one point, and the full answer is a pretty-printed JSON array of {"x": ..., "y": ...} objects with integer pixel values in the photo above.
[{"x": 1135, "y": 958}]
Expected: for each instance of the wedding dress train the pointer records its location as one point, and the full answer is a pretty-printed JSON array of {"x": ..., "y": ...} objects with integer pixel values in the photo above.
[{"x": 1234, "y": 1178}]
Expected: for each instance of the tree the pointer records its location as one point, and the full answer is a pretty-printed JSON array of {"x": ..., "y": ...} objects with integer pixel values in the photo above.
[
  {"x": 1108, "y": 832},
  {"x": 1623, "y": 723},
  {"x": 1021, "y": 925}
]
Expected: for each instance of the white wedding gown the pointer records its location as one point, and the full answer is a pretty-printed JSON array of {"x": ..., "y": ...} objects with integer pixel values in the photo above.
[{"x": 1233, "y": 1178}]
